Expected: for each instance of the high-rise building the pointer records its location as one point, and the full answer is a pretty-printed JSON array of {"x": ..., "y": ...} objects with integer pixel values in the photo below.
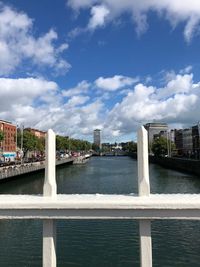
[
  {"x": 97, "y": 137},
  {"x": 154, "y": 128},
  {"x": 8, "y": 145}
]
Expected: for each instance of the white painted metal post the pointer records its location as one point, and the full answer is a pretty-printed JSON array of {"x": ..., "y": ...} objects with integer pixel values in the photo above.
[
  {"x": 50, "y": 190},
  {"x": 144, "y": 190},
  {"x": 50, "y": 187},
  {"x": 143, "y": 163}
]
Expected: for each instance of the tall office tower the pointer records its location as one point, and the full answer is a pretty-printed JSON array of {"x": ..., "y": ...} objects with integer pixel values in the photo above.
[{"x": 97, "y": 137}]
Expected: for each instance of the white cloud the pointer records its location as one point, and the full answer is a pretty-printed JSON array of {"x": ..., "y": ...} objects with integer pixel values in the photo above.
[
  {"x": 17, "y": 43},
  {"x": 178, "y": 11},
  {"x": 39, "y": 103},
  {"x": 77, "y": 101},
  {"x": 98, "y": 16},
  {"x": 178, "y": 102},
  {"x": 23, "y": 91},
  {"x": 187, "y": 69},
  {"x": 81, "y": 88},
  {"x": 179, "y": 84},
  {"x": 114, "y": 83}
]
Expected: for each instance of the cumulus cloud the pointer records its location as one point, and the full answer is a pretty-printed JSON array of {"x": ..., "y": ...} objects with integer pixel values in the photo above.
[
  {"x": 98, "y": 16},
  {"x": 114, "y": 83},
  {"x": 175, "y": 12},
  {"x": 81, "y": 88},
  {"x": 23, "y": 90},
  {"x": 77, "y": 100},
  {"x": 17, "y": 43},
  {"x": 177, "y": 102},
  {"x": 40, "y": 103}
]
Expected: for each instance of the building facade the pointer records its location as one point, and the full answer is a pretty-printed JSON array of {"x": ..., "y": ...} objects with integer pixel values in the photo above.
[
  {"x": 8, "y": 145},
  {"x": 97, "y": 137},
  {"x": 153, "y": 130},
  {"x": 36, "y": 132},
  {"x": 187, "y": 142},
  {"x": 179, "y": 141},
  {"x": 196, "y": 141}
]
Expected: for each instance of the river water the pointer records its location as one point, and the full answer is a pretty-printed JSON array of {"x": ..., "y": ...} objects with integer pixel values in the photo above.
[{"x": 100, "y": 243}]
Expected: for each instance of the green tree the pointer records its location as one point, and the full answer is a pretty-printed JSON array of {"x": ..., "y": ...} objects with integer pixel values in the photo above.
[
  {"x": 1, "y": 140},
  {"x": 64, "y": 143},
  {"x": 129, "y": 147},
  {"x": 95, "y": 147},
  {"x": 161, "y": 145},
  {"x": 29, "y": 141},
  {"x": 1, "y": 136},
  {"x": 132, "y": 146},
  {"x": 40, "y": 145}
]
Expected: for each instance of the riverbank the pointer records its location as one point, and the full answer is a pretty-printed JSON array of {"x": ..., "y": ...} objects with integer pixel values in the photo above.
[
  {"x": 178, "y": 164},
  {"x": 24, "y": 169}
]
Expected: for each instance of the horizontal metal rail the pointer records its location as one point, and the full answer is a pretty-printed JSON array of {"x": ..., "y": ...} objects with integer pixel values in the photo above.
[{"x": 100, "y": 207}]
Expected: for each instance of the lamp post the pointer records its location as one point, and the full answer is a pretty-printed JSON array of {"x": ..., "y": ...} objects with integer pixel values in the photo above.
[
  {"x": 16, "y": 139},
  {"x": 22, "y": 132}
]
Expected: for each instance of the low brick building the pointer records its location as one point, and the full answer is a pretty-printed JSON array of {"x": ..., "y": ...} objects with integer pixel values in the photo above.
[
  {"x": 8, "y": 145},
  {"x": 36, "y": 132}
]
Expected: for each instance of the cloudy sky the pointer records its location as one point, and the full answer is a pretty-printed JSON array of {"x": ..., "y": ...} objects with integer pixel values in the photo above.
[{"x": 77, "y": 65}]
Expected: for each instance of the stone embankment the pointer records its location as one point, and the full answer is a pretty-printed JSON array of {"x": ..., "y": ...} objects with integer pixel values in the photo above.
[
  {"x": 179, "y": 164},
  {"x": 17, "y": 170}
]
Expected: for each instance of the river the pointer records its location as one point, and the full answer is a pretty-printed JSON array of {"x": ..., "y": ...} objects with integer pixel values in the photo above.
[{"x": 100, "y": 243}]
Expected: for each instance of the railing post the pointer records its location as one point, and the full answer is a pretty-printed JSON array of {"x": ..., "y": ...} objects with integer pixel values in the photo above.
[
  {"x": 49, "y": 190},
  {"x": 144, "y": 191}
]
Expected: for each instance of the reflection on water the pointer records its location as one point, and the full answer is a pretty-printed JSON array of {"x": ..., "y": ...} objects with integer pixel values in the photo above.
[{"x": 102, "y": 243}]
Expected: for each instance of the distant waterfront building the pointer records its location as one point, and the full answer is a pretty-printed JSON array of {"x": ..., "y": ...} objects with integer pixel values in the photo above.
[
  {"x": 36, "y": 132},
  {"x": 196, "y": 141},
  {"x": 97, "y": 137},
  {"x": 187, "y": 142},
  {"x": 179, "y": 141},
  {"x": 172, "y": 136},
  {"x": 8, "y": 145},
  {"x": 154, "y": 129}
]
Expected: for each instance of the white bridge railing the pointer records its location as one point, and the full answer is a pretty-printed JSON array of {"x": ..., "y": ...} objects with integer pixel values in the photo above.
[{"x": 143, "y": 207}]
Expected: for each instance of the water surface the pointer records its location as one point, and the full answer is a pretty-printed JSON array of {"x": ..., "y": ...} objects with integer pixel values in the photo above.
[{"x": 96, "y": 242}]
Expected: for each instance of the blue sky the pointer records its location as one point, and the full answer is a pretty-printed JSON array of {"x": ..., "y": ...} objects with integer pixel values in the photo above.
[{"x": 79, "y": 65}]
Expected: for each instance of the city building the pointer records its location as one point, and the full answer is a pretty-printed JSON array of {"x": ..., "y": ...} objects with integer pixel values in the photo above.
[
  {"x": 8, "y": 145},
  {"x": 97, "y": 137},
  {"x": 187, "y": 142},
  {"x": 196, "y": 141},
  {"x": 179, "y": 141},
  {"x": 36, "y": 132},
  {"x": 154, "y": 129}
]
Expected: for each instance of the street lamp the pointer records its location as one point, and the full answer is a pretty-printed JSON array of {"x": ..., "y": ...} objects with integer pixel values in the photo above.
[
  {"x": 16, "y": 139},
  {"x": 22, "y": 132}
]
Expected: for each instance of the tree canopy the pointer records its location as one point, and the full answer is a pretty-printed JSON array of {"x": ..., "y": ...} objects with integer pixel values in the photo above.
[
  {"x": 1, "y": 136},
  {"x": 63, "y": 143},
  {"x": 130, "y": 147},
  {"x": 66, "y": 143},
  {"x": 160, "y": 146},
  {"x": 30, "y": 142}
]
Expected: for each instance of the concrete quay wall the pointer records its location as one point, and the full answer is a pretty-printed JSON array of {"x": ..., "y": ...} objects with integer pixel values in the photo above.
[
  {"x": 18, "y": 170},
  {"x": 178, "y": 164}
]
